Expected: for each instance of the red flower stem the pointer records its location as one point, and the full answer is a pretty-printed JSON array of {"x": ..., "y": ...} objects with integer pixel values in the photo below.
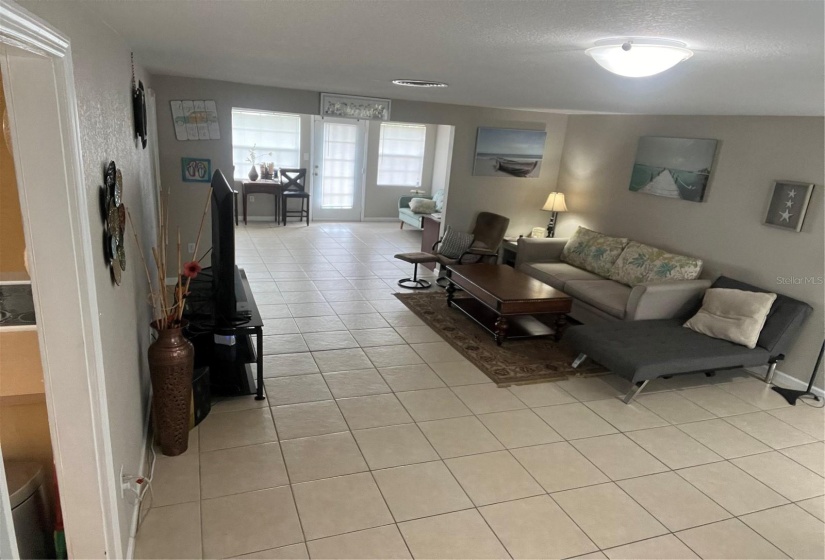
[
  {"x": 197, "y": 244},
  {"x": 145, "y": 266}
]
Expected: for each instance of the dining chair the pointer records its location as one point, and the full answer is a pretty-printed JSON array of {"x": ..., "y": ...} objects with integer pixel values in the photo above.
[{"x": 293, "y": 186}]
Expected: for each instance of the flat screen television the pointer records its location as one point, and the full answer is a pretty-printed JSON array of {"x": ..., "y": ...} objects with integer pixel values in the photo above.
[{"x": 230, "y": 303}]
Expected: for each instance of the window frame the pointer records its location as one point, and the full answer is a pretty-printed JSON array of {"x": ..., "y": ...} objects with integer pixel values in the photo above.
[{"x": 242, "y": 169}]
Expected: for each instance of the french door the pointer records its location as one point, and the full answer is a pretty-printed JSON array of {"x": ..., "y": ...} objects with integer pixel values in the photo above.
[{"x": 338, "y": 169}]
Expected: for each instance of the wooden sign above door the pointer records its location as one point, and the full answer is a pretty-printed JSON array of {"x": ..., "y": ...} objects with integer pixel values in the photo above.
[{"x": 354, "y": 107}]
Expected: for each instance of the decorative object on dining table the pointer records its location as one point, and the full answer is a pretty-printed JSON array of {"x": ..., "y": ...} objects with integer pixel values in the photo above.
[
  {"x": 196, "y": 170},
  {"x": 507, "y": 152},
  {"x": 788, "y": 205},
  {"x": 195, "y": 120},
  {"x": 253, "y": 158},
  {"x": 355, "y": 107},
  {"x": 673, "y": 167},
  {"x": 171, "y": 355},
  {"x": 268, "y": 171},
  {"x": 114, "y": 221},
  {"x": 554, "y": 205}
]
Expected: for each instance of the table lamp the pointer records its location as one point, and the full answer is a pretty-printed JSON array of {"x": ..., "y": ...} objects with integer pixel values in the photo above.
[{"x": 554, "y": 205}]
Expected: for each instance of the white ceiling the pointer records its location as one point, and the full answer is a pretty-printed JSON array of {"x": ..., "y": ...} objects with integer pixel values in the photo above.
[{"x": 752, "y": 57}]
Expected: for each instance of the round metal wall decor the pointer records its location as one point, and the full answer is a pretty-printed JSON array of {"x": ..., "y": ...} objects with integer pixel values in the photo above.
[{"x": 114, "y": 217}]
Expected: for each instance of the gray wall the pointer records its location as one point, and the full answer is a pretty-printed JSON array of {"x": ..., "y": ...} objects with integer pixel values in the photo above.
[
  {"x": 519, "y": 199},
  {"x": 441, "y": 160},
  {"x": 104, "y": 101},
  {"x": 381, "y": 201},
  {"x": 726, "y": 230}
]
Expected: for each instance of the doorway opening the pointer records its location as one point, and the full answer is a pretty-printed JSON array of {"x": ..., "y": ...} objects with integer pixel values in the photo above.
[{"x": 356, "y": 171}]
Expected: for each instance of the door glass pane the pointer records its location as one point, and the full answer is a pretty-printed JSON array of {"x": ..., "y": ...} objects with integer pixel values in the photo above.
[{"x": 340, "y": 155}]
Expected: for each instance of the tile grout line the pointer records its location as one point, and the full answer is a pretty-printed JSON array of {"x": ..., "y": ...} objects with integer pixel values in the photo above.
[{"x": 564, "y": 439}]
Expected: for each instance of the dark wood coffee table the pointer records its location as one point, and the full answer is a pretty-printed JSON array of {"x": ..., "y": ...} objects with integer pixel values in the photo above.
[{"x": 505, "y": 301}]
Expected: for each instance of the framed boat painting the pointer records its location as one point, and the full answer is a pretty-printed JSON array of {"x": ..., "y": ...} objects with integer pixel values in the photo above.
[
  {"x": 788, "y": 205},
  {"x": 509, "y": 152}
]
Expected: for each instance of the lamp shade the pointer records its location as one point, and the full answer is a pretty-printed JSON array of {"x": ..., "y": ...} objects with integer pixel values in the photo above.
[
  {"x": 555, "y": 203},
  {"x": 638, "y": 58}
]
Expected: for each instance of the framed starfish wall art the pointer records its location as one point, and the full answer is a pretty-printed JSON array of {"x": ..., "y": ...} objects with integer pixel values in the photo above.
[{"x": 788, "y": 204}]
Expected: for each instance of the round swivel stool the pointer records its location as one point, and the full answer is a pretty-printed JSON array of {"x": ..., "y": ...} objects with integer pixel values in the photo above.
[{"x": 415, "y": 283}]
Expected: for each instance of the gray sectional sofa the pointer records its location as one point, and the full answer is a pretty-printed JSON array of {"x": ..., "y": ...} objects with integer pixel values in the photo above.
[{"x": 598, "y": 298}]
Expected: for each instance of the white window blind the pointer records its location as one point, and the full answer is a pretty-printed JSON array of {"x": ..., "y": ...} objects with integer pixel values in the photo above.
[
  {"x": 279, "y": 133},
  {"x": 401, "y": 154},
  {"x": 340, "y": 157}
]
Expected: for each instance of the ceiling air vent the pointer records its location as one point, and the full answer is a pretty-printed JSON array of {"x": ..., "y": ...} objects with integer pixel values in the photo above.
[{"x": 419, "y": 83}]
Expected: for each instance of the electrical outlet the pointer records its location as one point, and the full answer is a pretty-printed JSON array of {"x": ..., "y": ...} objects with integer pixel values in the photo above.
[
  {"x": 191, "y": 248},
  {"x": 251, "y": 198}
]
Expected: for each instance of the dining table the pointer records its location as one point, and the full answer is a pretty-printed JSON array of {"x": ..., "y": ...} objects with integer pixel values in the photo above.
[{"x": 262, "y": 186}]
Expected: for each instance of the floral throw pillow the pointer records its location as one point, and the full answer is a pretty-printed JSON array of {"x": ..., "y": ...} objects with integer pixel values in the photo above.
[
  {"x": 640, "y": 263},
  {"x": 593, "y": 251}
]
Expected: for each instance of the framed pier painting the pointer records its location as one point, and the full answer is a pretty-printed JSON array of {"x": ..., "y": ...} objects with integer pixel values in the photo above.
[{"x": 673, "y": 167}]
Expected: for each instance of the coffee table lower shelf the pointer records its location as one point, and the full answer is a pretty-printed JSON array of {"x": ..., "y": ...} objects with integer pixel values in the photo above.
[{"x": 502, "y": 327}]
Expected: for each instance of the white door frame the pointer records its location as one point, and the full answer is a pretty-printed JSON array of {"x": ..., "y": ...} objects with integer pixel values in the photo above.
[
  {"x": 313, "y": 150},
  {"x": 58, "y": 237},
  {"x": 8, "y": 544}
]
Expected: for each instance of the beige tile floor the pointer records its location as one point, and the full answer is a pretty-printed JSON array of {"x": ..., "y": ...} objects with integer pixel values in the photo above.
[{"x": 378, "y": 440}]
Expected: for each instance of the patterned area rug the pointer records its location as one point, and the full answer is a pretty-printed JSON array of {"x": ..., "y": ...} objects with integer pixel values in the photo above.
[{"x": 515, "y": 362}]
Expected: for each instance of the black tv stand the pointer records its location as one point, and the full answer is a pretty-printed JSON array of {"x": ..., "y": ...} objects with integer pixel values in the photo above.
[{"x": 230, "y": 366}]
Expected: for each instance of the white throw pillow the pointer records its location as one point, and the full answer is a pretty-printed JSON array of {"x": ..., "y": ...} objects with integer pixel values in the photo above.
[
  {"x": 422, "y": 205},
  {"x": 734, "y": 315}
]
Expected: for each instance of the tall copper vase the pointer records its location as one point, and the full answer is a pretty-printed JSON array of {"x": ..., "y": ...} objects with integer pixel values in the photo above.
[{"x": 171, "y": 361}]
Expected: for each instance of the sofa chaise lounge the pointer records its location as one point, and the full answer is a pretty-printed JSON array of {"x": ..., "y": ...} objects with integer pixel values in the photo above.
[{"x": 644, "y": 350}]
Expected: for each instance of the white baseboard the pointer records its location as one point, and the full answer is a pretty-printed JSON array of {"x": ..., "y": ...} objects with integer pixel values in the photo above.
[
  {"x": 270, "y": 218},
  {"x": 381, "y": 220},
  {"x": 782, "y": 379}
]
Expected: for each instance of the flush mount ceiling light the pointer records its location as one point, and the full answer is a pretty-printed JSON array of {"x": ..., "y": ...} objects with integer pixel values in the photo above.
[
  {"x": 419, "y": 83},
  {"x": 637, "y": 58}
]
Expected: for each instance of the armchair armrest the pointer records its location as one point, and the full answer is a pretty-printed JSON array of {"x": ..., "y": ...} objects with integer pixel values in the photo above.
[
  {"x": 404, "y": 201},
  {"x": 532, "y": 250},
  {"x": 480, "y": 251},
  {"x": 665, "y": 300}
]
